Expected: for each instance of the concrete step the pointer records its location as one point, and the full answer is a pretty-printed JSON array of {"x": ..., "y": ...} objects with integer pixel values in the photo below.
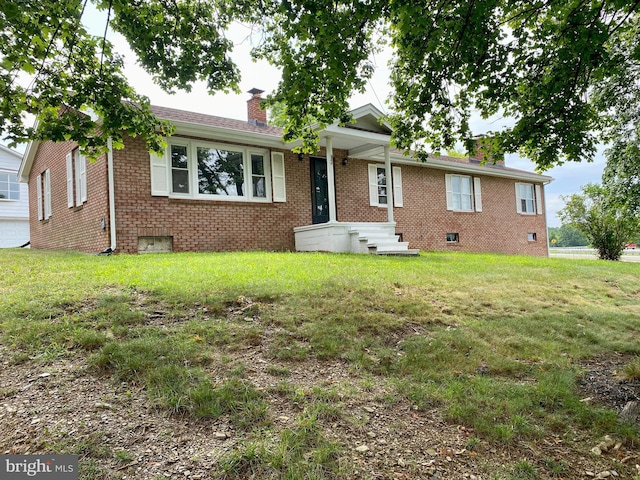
[
  {"x": 414, "y": 252},
  {"x": 379, "y": 238},
  {"x": 389, "y": 246}
]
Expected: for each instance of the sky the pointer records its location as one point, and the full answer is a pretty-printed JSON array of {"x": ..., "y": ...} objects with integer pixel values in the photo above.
[{"x": 568, "y": 178}]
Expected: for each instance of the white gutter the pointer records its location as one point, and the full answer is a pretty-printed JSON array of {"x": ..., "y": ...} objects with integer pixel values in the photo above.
[
  {"x": 112, "y": 200},
  {"x": 472, "y": 169}
]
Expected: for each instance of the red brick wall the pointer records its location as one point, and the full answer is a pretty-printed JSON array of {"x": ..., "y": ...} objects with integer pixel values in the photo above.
[
  {"x": 424, "y": 219},
  {"x": 205, "y": 225},
  {"x": 77, "y": 228}
]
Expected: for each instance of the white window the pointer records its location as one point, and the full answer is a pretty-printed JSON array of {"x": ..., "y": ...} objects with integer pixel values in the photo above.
[
  {"x": 9, "y": 186},
  {"x": 461, "y": 190},
  {"x": 43, "y": 193},
  {"x": 528, "y": 199},
  {"x": 207, "y": 170},
  {"x": 76, "y": 179},
  {"x": 379, "y": 186},
  {"x": 179, "y": 168},
  {"x": 531, "y": 236},
  {"x": 381, "y": 183},
  {"x": 39, "y": 195},
  {"x": 46, "y": 176}
]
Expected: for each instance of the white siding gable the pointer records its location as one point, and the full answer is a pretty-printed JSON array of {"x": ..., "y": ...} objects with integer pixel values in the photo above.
[{"x": 13, "y": 209}]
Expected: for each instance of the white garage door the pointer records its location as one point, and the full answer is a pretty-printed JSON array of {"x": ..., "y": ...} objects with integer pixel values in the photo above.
[{"x": 13, "y": 233}]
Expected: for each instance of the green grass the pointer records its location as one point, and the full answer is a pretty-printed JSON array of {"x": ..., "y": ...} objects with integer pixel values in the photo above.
[
  {"x": 631, "y": 371},
  {"x": 299, "y": 452},
  {"x": 494, "y": 341}
]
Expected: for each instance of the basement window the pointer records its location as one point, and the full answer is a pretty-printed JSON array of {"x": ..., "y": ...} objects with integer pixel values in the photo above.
[
  {"x": 155, "y": 244},
  {"x": 531, "y": 236},
  {"x": 453, "y": 238}
]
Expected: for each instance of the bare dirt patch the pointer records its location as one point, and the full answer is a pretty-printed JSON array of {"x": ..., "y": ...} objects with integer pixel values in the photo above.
[
  {"x": 603, "y": 384},
  {"x": 120, "y": 434}
]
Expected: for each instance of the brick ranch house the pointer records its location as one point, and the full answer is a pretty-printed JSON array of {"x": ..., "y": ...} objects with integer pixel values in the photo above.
[{"x": 226, "y": 184}]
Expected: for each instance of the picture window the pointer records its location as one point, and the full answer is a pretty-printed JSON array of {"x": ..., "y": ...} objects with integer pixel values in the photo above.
[{"x": 207, "y": 170}]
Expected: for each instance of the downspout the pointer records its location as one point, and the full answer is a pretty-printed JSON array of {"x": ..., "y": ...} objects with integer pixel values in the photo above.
[
  {"x": 546, "y": 219},
  {"x": 112, "y": 201},
  {"x": 389, "y": 174}
]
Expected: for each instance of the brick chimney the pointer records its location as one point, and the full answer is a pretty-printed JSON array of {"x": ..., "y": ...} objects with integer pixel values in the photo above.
[
  {"x": 481, "y": 155},
  {"x": 255, "y": 115}
]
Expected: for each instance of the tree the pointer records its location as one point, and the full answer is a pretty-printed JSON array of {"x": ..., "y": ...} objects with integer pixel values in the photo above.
[
  {"x": 619, "y": 98},
  {"x": 538, "y": 62},
  {"x": 607, "y": 225},
  {"x": 52, "y": 68},
  {"x": 552, "y": 235},
  {"x": 567, "y": 236},
  {"x": 570, "y": 236},
  {"x": 278, "y": 115}
]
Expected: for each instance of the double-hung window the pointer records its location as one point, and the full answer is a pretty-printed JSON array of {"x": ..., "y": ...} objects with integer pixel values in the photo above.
[
  {"x": 463, "y": 193},
  {"x": 76, "y": 179},
  {"x": 528, "y": 199},
  {"x": 381, "y": 182},
  {"x": 43, "y": 193},
  {"x": 179, "y": 169},
  {"x": 379, "y": 185},
  {"x": 9, "y": 186},
  {"x": 258, "y": 176}
]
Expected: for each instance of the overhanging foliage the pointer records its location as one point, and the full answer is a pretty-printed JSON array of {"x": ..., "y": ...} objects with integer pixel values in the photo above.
[{"x": 538, "y": 63}]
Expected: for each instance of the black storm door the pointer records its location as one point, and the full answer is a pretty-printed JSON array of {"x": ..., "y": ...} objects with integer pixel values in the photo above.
[{"x": 319, "y": 190}]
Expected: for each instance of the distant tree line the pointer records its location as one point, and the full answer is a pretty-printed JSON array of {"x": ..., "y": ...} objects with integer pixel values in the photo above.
[{"x": 567, "y": 236}]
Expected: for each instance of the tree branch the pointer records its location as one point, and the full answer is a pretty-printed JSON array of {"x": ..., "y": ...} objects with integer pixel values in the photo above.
[
  {"x": 104, "y": 37},
  {"x": 624, "y": 20}
]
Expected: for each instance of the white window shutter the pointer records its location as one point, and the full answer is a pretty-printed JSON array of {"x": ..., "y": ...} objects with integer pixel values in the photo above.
[
  {"x": 277, "y": 177},
  {"x": 477, "y": 191},
  {"x": 70, "y": 180},
  {"x": 449, "y": 187},
  {"x": 539, "y": 200},
  {"x": 159, "y": 175},
  {"x": 47, "y": 194},
  {"x": 518, "y": 199},
  {"x": 83, "y": 178},
  {"x": 39, "y": 195},
  {"x": 373, "y": 185},
  {"x": 397, "y": 186}
]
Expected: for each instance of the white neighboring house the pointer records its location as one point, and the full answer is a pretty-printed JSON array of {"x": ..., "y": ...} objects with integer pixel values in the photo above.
[{"x": 14, "y": 201}]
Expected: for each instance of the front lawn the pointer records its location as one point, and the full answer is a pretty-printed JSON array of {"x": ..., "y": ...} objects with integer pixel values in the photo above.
[{"x": 306, "y": 359}]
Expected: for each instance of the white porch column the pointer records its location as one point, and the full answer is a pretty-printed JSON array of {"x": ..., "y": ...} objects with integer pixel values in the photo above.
[
  {"x": 331, "y": 181},
  {"x": 388, "y": 173}
]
